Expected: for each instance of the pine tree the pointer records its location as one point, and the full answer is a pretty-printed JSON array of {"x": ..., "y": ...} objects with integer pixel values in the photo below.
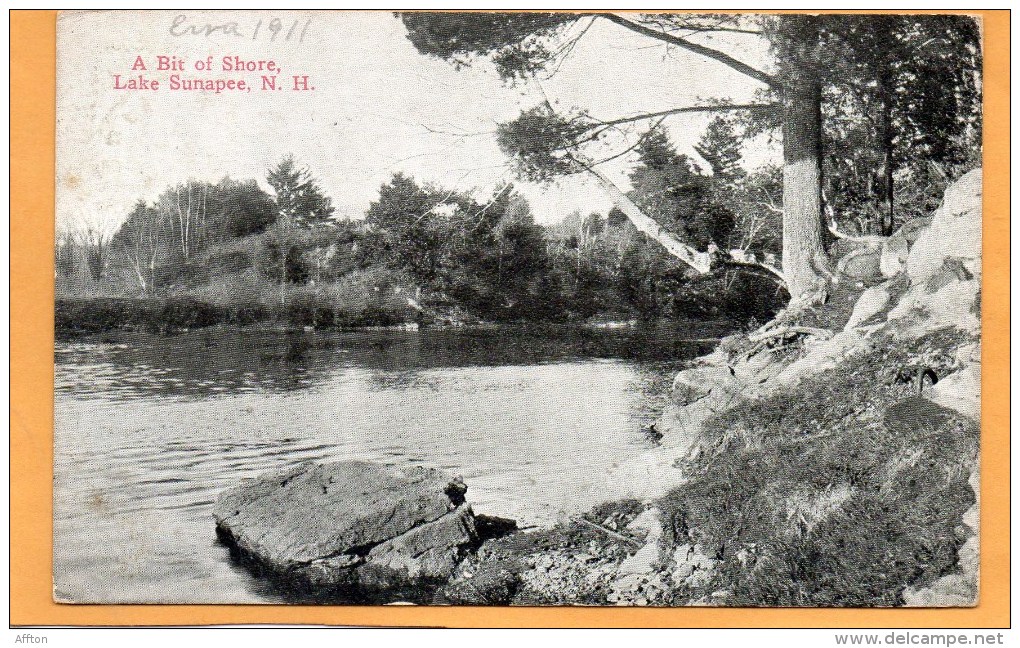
[
  {"x": 545, "y": 144},
  {"x": 720, "y": 147},
  {"x": 299, "y": 199},
  {"x": 670, "y": 188}
]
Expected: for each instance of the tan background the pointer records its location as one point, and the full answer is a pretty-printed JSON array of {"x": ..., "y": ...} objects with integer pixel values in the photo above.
[{"x": 33, "y": 83}]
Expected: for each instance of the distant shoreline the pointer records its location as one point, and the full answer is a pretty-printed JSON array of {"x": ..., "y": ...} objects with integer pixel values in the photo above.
[{"x": 76, "y": 317}]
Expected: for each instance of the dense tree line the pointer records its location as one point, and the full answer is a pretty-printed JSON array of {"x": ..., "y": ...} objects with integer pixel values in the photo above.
[
  {"x": 442, "y": 250},
  {"x": 876, "y": 114}
]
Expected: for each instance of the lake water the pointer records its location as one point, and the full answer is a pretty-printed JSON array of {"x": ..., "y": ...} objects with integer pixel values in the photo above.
[{"x": 150, "y": 429}]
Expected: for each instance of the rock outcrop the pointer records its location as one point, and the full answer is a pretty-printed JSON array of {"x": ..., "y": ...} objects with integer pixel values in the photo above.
[
  {"x": 959, "y": 589},
  {"x": 955, "y": 232},
  {"x": 350, "y": 524},
  {"x": 928, "y": 283},
  {"x": 637, "y": 578}
]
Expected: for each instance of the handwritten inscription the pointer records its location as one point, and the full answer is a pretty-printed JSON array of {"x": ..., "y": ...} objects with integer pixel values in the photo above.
[
  {"x": 208, "y": 75},
  {"x": 270, "y": 30}
]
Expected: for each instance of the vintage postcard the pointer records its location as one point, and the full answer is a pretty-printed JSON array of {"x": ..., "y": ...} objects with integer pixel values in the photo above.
[{"x": 518, "y": 309}]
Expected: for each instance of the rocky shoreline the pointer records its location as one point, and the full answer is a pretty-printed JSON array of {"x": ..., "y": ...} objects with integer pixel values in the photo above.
[
  {"x": 350, "y": 526},
  {"x": 829, "y": 458}
]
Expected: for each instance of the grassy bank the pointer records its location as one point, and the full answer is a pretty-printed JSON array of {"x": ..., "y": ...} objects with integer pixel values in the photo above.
[{"x": 839, "y": 492}]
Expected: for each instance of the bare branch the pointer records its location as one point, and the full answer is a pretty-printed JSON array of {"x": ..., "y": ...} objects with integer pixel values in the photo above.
[
  {"x": 603, "y": 126},
  {"x": 564, "y": 51},
  {"x": 731, "y": 30},
  {"x": 870, "y": 240},
  {"x": 707, "y": 52},
  {"x": 477, "y": 215},
  {"x": 609, "y": 532},
  {"x": 736, "y": 262},
  {"x": 824, "y": 334},
  {"x": 691, "y": 109},
  {"x": 440, "y": 131},
  {"x": 632, "y": 146},
  {"x": 696, "y": 24}
]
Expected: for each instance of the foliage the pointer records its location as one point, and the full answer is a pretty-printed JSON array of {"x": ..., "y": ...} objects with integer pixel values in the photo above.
[
  {"x": 157, "y": 242},
  {"x": 900, "y": 92},
  {"x": 184, "y": 311},
  {"x": 414, "y": 223},
  {"x": 848, "y": 65},
  {"x": 720, "y": 146},
  {"x": 497, "y": 259},
  {"x": 299, "y": 199},
  {"x": 605, "y": 266},
  {"x": 756, "y": 200},
  {"x": 97, "y": 315},
  {"x": 281, "y": 263},
  {"x": 515, "y": 41},
  {"x": 242, "y": 207},
  {"x": 489, "y": 258},
  {"x": 926, "y": 68},
  {"x": 542, "y": 143},
  {"x": 457, "y": 255},
  {"x": 916, "y": 78},
  {"x": 670, "y": 188},
  {"x": 77, "y": 316}
]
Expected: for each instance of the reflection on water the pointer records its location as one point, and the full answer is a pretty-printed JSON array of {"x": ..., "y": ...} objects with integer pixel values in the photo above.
[{"x": 150, "y": 429}]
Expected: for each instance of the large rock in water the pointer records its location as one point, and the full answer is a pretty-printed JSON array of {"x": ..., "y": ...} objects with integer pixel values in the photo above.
[{"x": 350, "y": 523}]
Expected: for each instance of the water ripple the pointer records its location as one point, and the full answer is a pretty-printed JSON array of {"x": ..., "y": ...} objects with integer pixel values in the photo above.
[{"x": 150, "y": 430}]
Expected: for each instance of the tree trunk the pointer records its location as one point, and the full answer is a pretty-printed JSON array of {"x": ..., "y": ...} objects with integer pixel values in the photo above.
[
  {"x": 887, "y": 157},
  {"x": 802, "y": 186},
  {"x": 700, "y": 261},
  {"x": 282, "y": 245}
]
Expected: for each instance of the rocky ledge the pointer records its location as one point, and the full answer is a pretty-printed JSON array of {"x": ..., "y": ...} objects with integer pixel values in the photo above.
[
  {"x": 829, "y": 459},
  {"x": 350, "y": 526}
]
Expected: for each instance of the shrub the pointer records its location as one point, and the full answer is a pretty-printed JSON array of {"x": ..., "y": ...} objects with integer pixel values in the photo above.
[
  {"x": 93, "y": 315},
  {"x": 232, "y": 261},
  {"x": 107, "y": 314},
  {"x": 301, "y": 311},
  {"x": 245, "y": 313},
  {"x": 188, "y": 312}
]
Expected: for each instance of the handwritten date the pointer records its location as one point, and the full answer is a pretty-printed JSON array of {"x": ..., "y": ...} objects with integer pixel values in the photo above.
[{"x": 267, "y": 30}]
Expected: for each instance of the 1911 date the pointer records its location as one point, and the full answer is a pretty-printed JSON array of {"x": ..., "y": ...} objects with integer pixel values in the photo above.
[{"x": 272, "y": 30}]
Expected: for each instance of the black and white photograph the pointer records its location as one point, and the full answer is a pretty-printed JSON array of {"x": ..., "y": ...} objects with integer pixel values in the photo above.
[{"x": 449, "y": 308}]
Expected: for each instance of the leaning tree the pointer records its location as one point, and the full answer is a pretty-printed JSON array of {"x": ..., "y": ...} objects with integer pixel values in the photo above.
[{"x": 545, "y": 143}]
